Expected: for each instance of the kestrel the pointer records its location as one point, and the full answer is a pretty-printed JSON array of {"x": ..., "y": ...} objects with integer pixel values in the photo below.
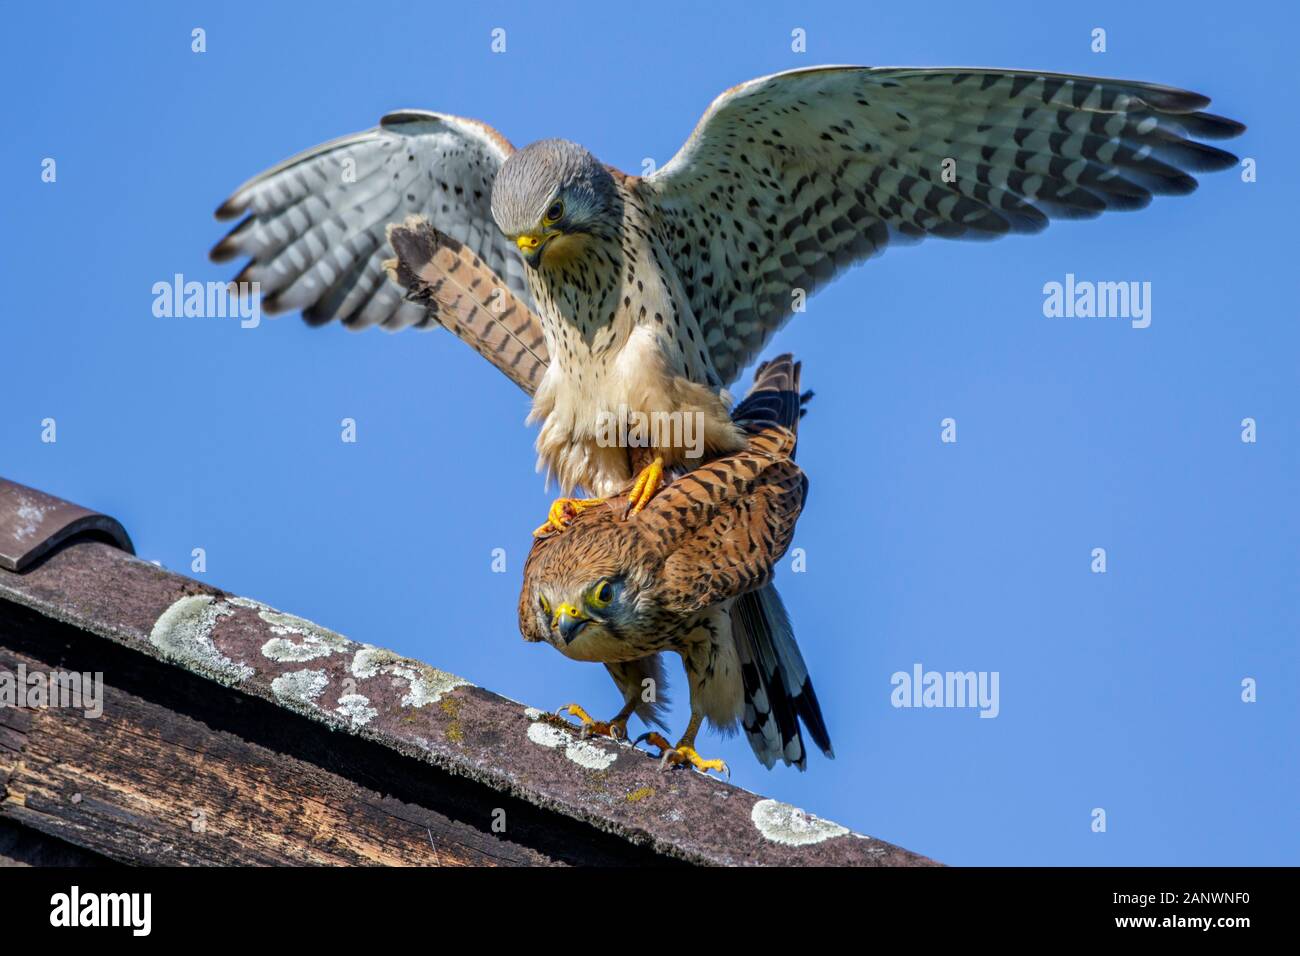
[
  {"x": 732, "y": 557},
  {"x": 691, "y": 573},
  {"x": 653, "y": 293}
]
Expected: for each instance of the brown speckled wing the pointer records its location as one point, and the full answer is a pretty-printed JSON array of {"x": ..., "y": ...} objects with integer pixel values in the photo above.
[
  {"x": 724, "y": 525},
  {"x": 713, "y": 533},
  {"x": 448, "y": 279},
  {"x": 751, "y": 503},
  {"x": 788, "y": 179}
]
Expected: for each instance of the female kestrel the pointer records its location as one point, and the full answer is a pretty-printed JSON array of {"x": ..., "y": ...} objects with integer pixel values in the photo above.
[
  {"x": 654, "y": 293},
  {"x": 691, "y": 573}
]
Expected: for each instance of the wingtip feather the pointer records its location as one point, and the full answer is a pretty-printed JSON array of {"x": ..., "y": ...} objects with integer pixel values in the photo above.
[{"x": 232, "y": 207}]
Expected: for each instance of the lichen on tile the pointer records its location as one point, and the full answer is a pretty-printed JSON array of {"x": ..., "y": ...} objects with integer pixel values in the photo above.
[
  {"x": 300, "y": 689},
  {"x": 356, "y": 710},
  {"x": 316, "y": 641},
  {"x": 546, "y": 735},
  {"x": 183, "y": 633},
  {"x": 582, "y": 752},
  {"x": 426, "y": 684},
  {"x": 31, "y": 513},
  {"x": 790, "y": 826}
]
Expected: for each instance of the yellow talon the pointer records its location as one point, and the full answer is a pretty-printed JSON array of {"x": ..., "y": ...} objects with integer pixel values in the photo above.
[
  {"x": 682, "y": 753},
  {"x": 647, "y": 483},
  {"x": 616, "y": 728},
  {"x": 698, "y": 762},
  {"x": 563, "y": 511}
]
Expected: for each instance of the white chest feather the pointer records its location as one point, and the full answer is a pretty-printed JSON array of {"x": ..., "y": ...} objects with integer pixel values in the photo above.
[{"x": 628, "y": 367}]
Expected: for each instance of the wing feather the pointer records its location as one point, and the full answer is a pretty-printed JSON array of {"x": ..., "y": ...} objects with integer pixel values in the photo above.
[
  {"x": 314, "y": 225},
  {"x": 789, "y": 179},
  {"x": 725, "y": 524}
]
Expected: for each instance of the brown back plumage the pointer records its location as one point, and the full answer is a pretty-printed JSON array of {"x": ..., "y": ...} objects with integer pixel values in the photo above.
[{"x": 715, "y": 532}]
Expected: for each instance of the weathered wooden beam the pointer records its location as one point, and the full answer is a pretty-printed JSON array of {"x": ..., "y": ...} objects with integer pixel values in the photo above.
[
  {"x": 21, "y": 846},
  {"x": 178, "y": 770},
  {"x": 232, "y": 733}
]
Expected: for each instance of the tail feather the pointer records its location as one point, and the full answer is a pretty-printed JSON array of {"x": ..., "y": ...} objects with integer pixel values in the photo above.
[
  {"x": 778, "y": 691},
  {"x": 775, "y": 398},
  {"x": 467, "y": 297}
]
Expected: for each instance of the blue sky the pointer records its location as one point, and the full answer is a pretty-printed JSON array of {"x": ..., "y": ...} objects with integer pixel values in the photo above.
[{"x": 1119, "y": 690}]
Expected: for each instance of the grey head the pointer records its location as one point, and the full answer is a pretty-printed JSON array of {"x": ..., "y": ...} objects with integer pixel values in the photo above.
[{"x": 551, "y": 189}]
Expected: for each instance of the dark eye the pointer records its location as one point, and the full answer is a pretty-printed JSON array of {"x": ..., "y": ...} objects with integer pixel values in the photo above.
[
  {"x": 601, "y": 595},
  {"x": 555, "y": 212},
  {"x": 544, "y": 604}
]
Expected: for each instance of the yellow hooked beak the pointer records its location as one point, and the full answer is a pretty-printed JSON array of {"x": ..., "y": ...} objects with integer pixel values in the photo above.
[
  {"x": 531, "y": 245},
  {"x": 568, "y": 621}
]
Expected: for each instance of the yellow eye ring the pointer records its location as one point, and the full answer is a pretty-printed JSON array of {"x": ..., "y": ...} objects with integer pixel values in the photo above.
[
  {"x": 554, "y": 214},
  {"x": 546, "y": 605},
  {"x": 601, "y": 595}
]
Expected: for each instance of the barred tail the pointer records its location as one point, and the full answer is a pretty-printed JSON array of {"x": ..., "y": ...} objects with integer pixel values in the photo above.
[
  {"x": 469, "y": 299},
  {"x": 775, "y": 398},
  {"x": 778, "y": 692}
]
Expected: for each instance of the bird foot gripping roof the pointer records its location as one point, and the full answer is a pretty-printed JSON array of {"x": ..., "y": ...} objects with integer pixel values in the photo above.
[{"x": 566, "y": 799}]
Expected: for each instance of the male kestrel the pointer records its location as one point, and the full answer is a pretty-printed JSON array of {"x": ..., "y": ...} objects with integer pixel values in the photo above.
[
  {"x": 653, "y": 293},
  {"x": 691, "y": 573}
]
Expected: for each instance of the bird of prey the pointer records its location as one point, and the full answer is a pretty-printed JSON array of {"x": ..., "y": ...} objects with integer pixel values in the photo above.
[
  {"x": 445, "y": 277},
  {"x": 691, "y": 574},
  {"x": 600, "y": 292},
  {"x": 654, "y": 293}
]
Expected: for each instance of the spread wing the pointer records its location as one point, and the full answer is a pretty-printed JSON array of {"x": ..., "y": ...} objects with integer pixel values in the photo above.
[
  {"x": 788, "y": 179},
  {"x": 314, "y": 225}
]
